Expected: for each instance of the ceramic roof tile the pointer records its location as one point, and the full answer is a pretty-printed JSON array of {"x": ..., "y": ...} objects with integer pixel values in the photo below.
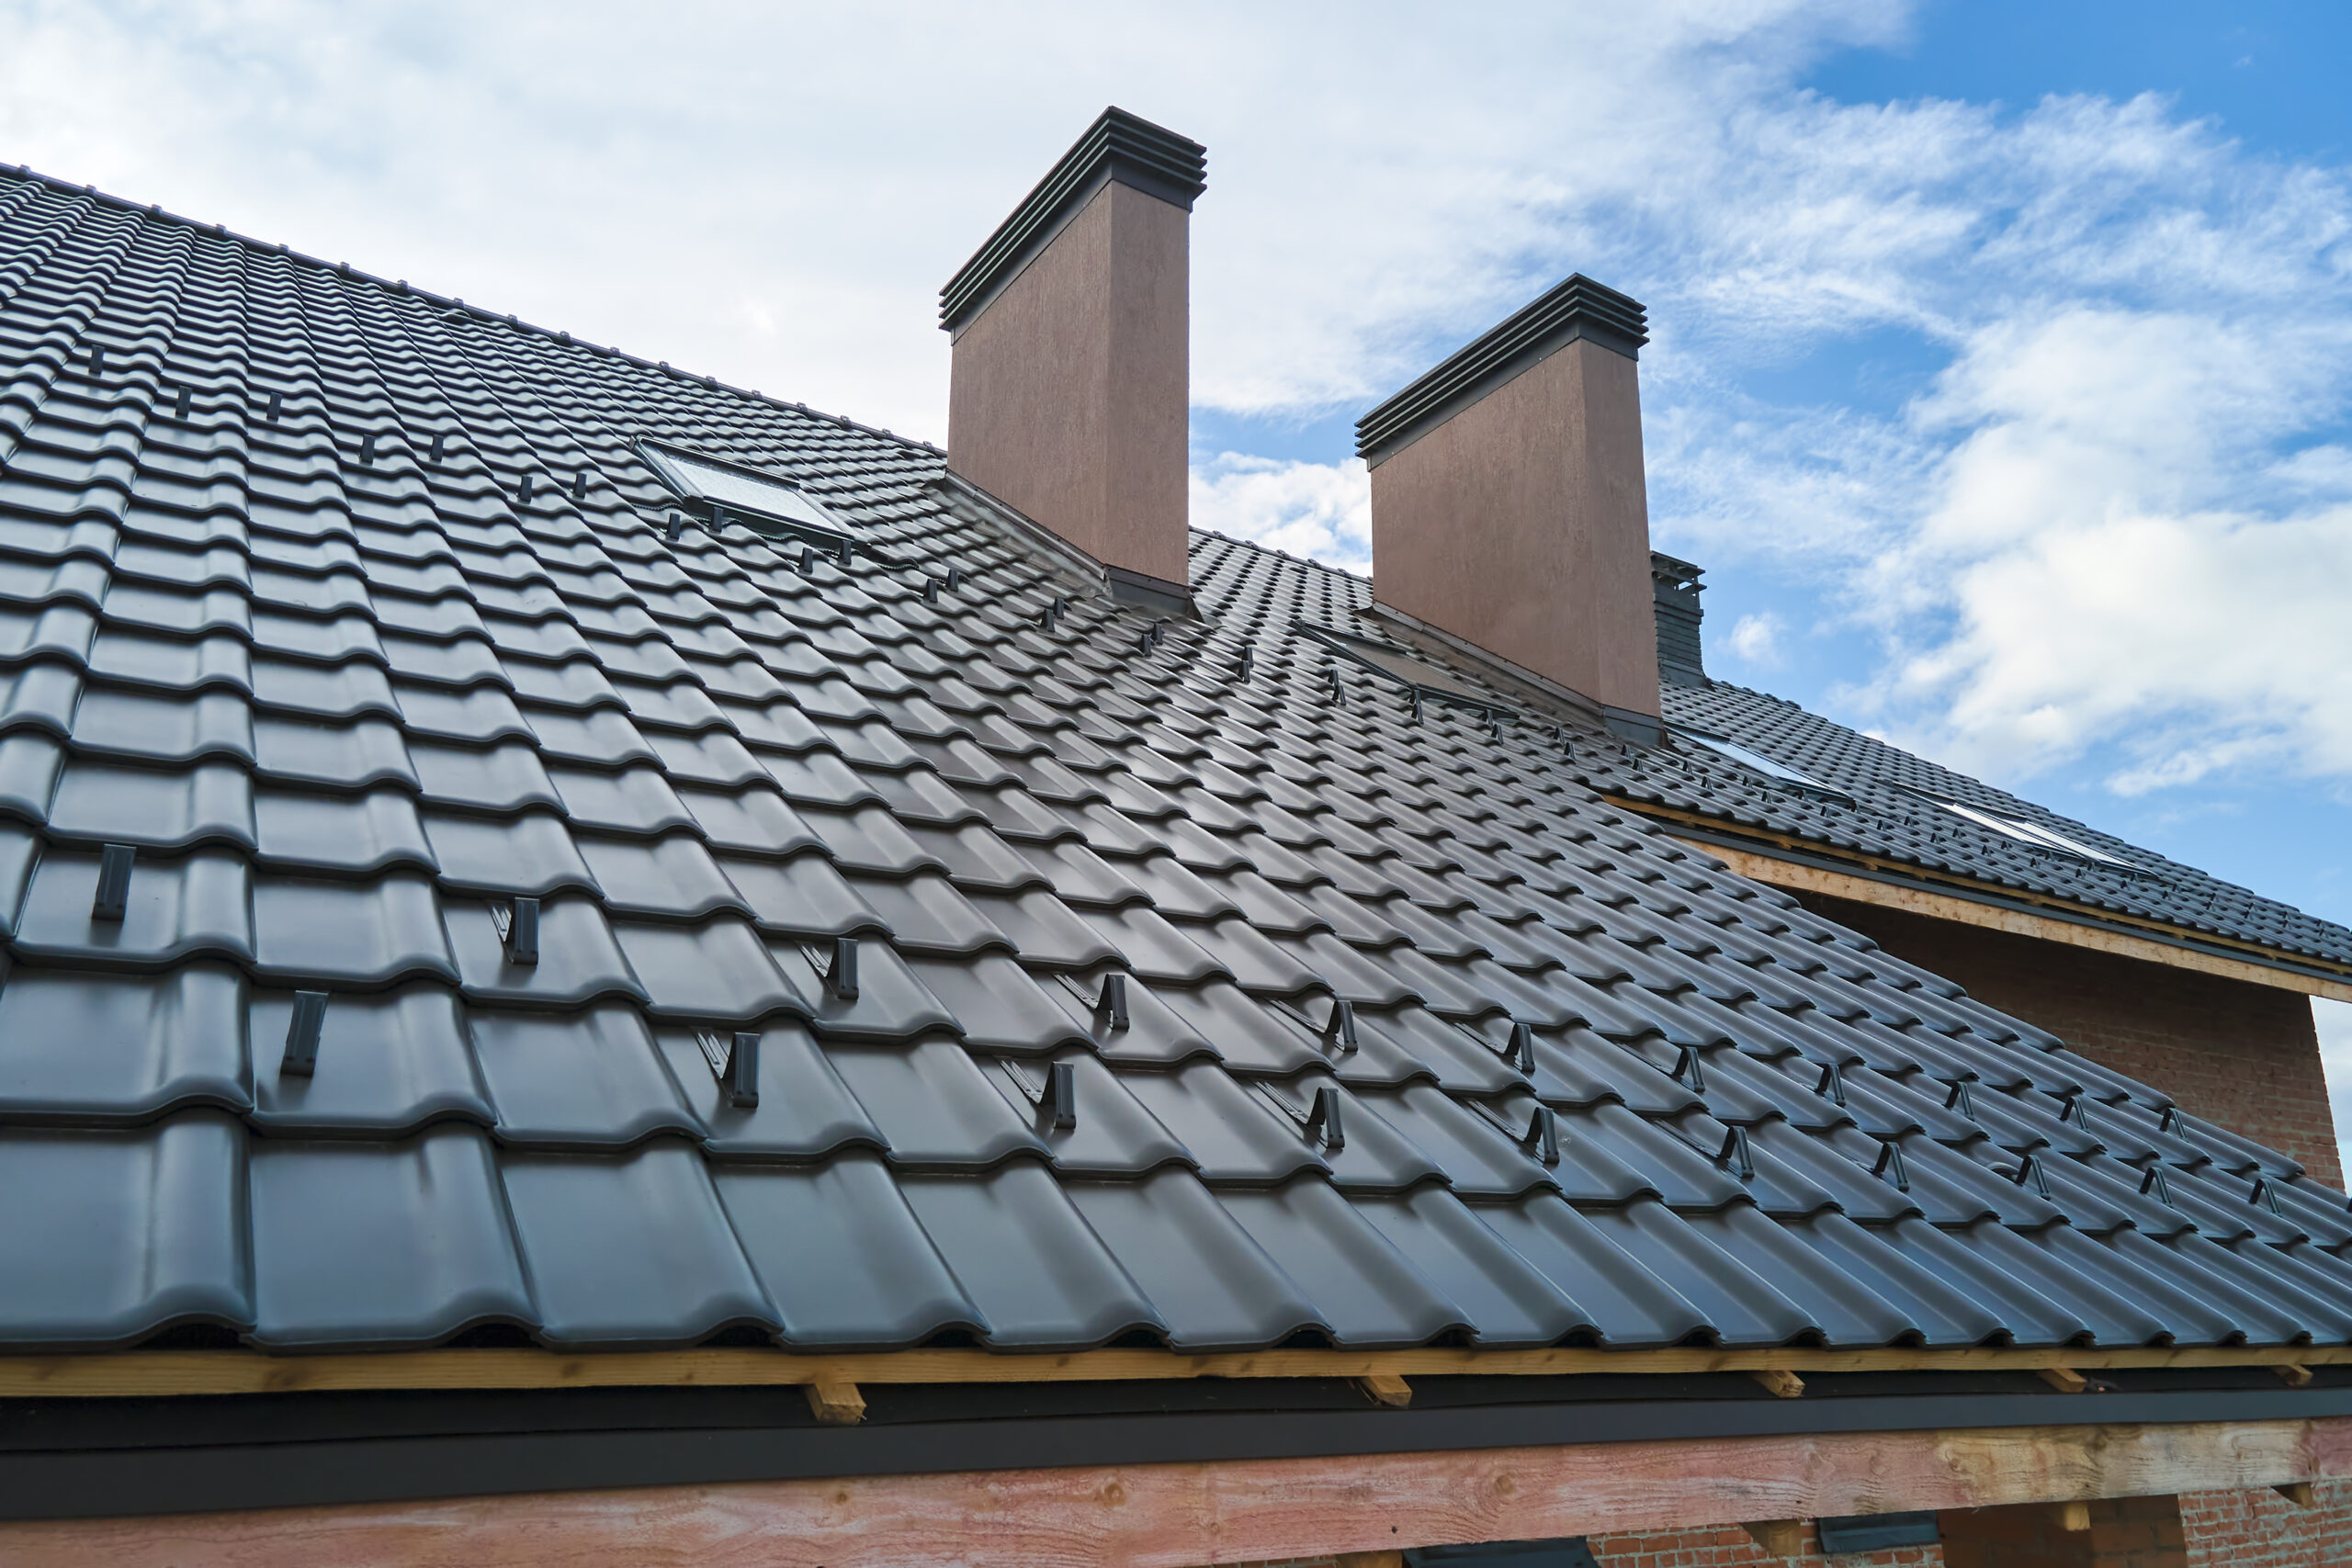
[{"x": 348, "y": 715}]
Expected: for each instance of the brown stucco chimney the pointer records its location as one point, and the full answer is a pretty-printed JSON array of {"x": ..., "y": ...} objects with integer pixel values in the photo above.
[
  {"x": 1071, "y": 393},
  {"x": 1509, "y": 517}
]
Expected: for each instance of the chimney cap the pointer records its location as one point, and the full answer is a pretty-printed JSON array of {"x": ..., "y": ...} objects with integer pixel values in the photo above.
[
  {"x": 1118, "y": 146},
  {"x": 1576, "y": 308}
]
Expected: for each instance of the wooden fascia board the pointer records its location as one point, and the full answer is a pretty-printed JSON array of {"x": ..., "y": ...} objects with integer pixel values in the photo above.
[
  {"x": 1180, "y": 1516},
  {"x": 153, "y": 1373},
  {"x": 1994, "y": 908}
]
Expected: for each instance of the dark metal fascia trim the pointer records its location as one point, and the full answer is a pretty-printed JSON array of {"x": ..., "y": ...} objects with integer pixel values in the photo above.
[
  {"x": 136, "y": 1480},
  {"x": 1966, "y": 892},
  {"x": 1576, "y": 308},
  {"x": 1118, "y": 146}
]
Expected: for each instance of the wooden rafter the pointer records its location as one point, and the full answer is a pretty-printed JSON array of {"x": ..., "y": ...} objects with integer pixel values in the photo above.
[{"x": 165, "y": 1372}]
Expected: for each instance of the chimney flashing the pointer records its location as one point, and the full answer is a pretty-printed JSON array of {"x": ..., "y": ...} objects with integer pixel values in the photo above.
[
  {"x": 1118, "y": 147},
  {"x": 1576, "y": 308},
  {"x": 1675, "y": 589},
  {"x": 1538, "y": 692}
]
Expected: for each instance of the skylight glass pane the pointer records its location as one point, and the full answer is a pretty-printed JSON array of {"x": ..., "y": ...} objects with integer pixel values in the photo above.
[
  {"x": 2017, "y": 827},
  {"x": 1758, "y": 762},
  {"x": 730, "y": 486}
]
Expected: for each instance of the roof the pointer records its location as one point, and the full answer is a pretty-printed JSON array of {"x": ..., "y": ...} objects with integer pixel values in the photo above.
[
  {"x": 357, "y": 616},
  {"x": 1890, "y": 813}
]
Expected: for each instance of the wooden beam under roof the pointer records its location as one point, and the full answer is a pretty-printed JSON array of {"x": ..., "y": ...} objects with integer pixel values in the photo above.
[
  {"x": 158, "y": 1374},
  {"x": 1182, "y": 1515}
]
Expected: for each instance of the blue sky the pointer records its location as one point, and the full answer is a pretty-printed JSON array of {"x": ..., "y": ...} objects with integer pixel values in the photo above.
[{"x": 2002, "y": 352}]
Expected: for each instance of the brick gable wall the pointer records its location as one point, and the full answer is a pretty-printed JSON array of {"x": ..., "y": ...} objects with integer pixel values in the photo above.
[{"x": 2241, "y": 1054}]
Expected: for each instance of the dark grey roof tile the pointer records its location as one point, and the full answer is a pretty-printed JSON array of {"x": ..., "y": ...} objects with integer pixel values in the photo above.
[
  {"x": 720, "y": 970},
  {"x": 1458, "y": 1060},
  {"x": 386, "y": 1061},
  {"x": 804, "y": 1110},
  {"x": 754, "y": 820},
  {"x": 1206, "y": 1277},
  {"x": 134, "y": 1232},
  {"x": 144, "y": 805},
  {"x": 989, "y": 998},
  {"x": 112, "y": 722},
  {"x": 94, "y": 1048},
  {"x": 577, "y": 1082},
  {"x": 1363, "y": 1287},
  {"x": 352, "y": 833},
  {"x": 530, "y": 853},
  {"x": 30, "y": 765},
  {"x": 503, "y": 778},
  {"x": 714, "y": 757},
  {"x": 926, "y": 914},
  {"x": 800, "y": 896},
  {"x": 1153, "y": 948},
  {"x": 178, "y": 909},
  {"x": 635, "y": 800},
  {"x": 1511, "y": 1300},
  {"x": 1476, "y": 1158},
  {"x": 365, "y": 1244},
  {"x": 842, "y": 1256},
  {"x": 343, "y": 756},
  {"x": 1249, "y": 1036},
  {"x": 579, "y": 959},
  {"x": 353, "y": 933},
  {"x": 633, "y": 1250},
  {"x": 869, "y": 840},
  {"x": 1738, "y": 1306},
  {"x": 1236, "y": 1137},
  {"x": 672, "y": 876},
  {"x": 1027, "y": 1259},
  {"x": 1154, "y": 1031}
]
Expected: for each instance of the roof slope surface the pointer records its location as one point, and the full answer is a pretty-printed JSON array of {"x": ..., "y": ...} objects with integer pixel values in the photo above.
[{"x": 347, "y": 699}]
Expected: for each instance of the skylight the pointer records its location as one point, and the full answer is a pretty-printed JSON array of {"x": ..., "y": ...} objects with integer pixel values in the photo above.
[
  {"x": 2032, "y": 833},
  {"x": 730, "y": 490},
  {"x": 1755, "y": 762}
]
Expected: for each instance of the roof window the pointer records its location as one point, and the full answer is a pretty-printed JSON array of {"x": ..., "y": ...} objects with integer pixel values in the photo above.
[
  {"x": 719, "y": 491},
  {"x": 2032, "y": 833},
  {"x": 1755, "y": 762}
]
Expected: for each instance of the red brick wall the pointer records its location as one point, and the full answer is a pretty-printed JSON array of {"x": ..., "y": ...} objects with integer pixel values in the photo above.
[
  {"x": 2262, "y": 1529},
  {"x": 2241, "y": 1055}
]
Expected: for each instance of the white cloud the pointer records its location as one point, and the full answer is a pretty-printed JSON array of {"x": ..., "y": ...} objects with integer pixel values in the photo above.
[
  {"x": 1755, "y": 640},
  {"x": 1309, "y": 509},
  {"x": 2121, "y": 515}
]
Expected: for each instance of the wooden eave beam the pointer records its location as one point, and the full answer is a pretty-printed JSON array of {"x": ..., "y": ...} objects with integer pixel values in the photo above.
[
  {"x": 1920, "y": 890},
  {"x": 1181, "y": 1515},
  {"x": 170, "y": 1373}
]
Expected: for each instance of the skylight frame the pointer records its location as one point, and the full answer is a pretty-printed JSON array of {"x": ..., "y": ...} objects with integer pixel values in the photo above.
[
  {"x": 2027, "y": 831},
  {"x": 796, "y": 514},
  {"x": 1755, "y": 762}
]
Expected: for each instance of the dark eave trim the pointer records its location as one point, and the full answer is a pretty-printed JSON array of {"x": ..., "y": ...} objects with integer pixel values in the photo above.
[
  {"x": 1576, "y": 308},
  {"x": 1118, "y": 146},
  {"x": 150, "y": 1471}
]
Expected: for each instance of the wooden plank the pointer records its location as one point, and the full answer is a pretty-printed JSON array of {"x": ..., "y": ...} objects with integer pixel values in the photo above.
[
  {"x": 1783, "y": 1384},
  {"x": 1777, "y": 1537},
  {"x": 1912, "y": 898},
  {"x": 2066, "y": 1380},
  {"x": 2073, "y": 1518},
  {"x": 1387, "y": 1388},
  {"x": 168, "y": 1373},
  {"x": 835, "y": 1401},
  {"x": 1183, "y": 1516}
]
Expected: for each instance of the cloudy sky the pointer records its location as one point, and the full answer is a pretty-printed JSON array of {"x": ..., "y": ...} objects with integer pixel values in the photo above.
[{"x": 2002, "y": 358}]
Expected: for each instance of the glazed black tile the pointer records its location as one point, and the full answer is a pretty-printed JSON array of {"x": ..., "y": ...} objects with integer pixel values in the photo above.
[
  {"x": 579, "y": 1081},
  {"x": 348, "y": 933},
  {"x": 503, "y": 778},
  {"x": 1028, "y": 1260},
  {"x": 1363, "y": 1288},
  {"x": 178, "y": 907},
  {"x": 351, "y": 833},
  {"x": 147, "y": 805},
  {"x": 842, "y": 1256},
  {"x": 163, "y": 728},
  {"x": 135, "y": 1232},
  {"x": 1237, "y": 1137},
  {"x": 531, "y": 854},
  {"x": 1206, "y": 1277},
  {"x": 88, "y": 1048},
  {"x": 720, "y": 970},
  {"x": 579, "y": 959},
  {"x": 1512, "y": 1302},
  {"x": 754, "y": 820},
  {"x": 367, "y": 1244},
  {"x": 634, "y": 800},
  {"x": 630, "y": 1250},
  {"x": 672, "y": 876},
  {"x": 386, "y": 1062},
  {"x": 925, "y": 914}
]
